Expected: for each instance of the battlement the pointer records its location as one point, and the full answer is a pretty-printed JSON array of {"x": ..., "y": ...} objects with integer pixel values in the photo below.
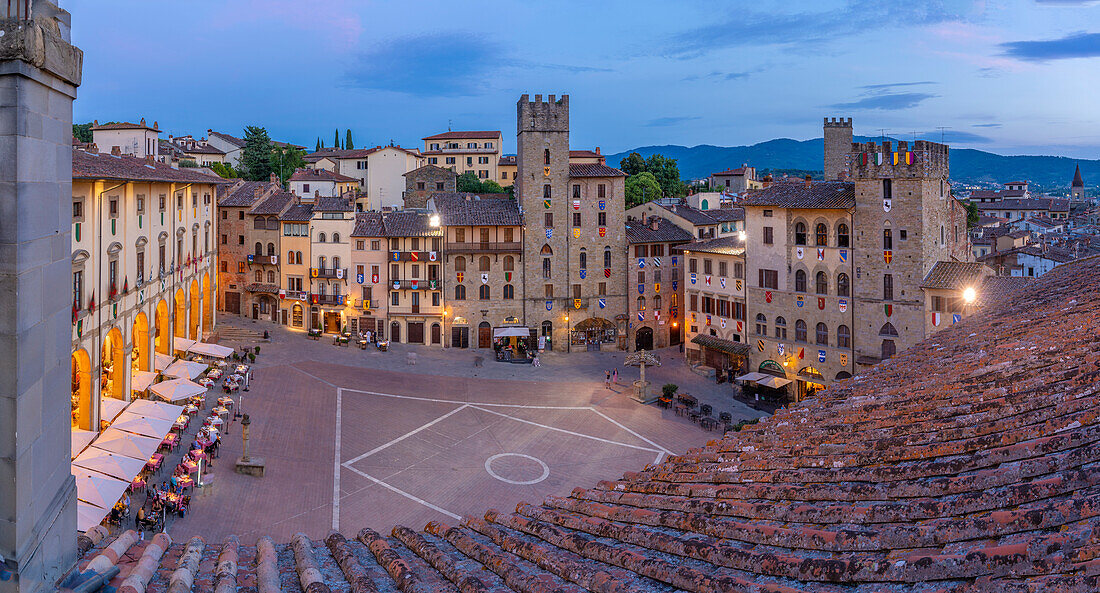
[
  {"x": 870, "y": 160},
  {"x": 838, "y": 122},
  {"x": 551, "y": 115}
]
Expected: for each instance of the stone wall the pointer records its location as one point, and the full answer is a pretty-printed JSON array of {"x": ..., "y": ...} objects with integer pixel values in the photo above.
[
  {"x": 430, "y": 176},
  {"x": 838, "y": 141}
]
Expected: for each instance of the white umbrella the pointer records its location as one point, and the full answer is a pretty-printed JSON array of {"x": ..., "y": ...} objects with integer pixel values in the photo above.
[
  {"x": 117, "y": 466},
  {"x": 143, "y": 425},
  {"x": 110, "y": 407},
  {"x": 155, "y": 409},
  {"x": 213, "y": 350},
  {"x": 88, "y": 516},
  {"x": 183, "y": 344},
  {"x": 80, "y": 439},
  {"x": 130, "y": 445},
  {"x": 177, "y": 390},
  {"x": 141, "y": 380},
  {"x": 185, "y": 369},
  {"x": 98, "y": 489},
  {"x": 161, "y": 361}
]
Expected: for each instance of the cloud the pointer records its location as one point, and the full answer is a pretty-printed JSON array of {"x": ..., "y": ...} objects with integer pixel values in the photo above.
[
  {"x": 890, "y": 85},
  {"x": 986, "y": 125},
  {"x": 1074, "y": 45},
  {"x": 1067, "y": 2},
  {"x": 747, "y": 28},
  {"x": 716, "y": 75},
  {"x": 956, "y": 137},
  {"x": 886, "y": 101},
  {"x": 662, "y": 122}
]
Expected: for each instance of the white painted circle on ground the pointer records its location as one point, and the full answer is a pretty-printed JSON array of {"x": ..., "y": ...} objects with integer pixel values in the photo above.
[{"x": 489, "y": 469}]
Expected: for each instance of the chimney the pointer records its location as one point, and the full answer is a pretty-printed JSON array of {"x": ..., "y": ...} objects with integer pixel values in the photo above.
[
  {"x": 316, "y": 193},
  {"x": 256, "y": 192},
  {"x": 654, "y": 222},
  {"x": 116, "y": 151},
  {"x": 143, "y": 121},
  {"x": 809, "y": 182},
  {"x": 597, "y": 150},
  {"x": 149, "y": 158}
]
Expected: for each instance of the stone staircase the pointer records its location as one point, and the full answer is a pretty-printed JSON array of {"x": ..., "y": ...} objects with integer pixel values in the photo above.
[{"x": 240, "y": 335}]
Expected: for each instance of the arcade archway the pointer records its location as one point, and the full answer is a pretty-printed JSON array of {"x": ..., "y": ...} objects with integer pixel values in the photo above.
[
  {"x": 180, "y": 316},
  {"x": 164, "y": 328},
  {"x": 139, "y": 334},
  {"x": 207, "y": 303},
  {"x": 195, "y": 311},
  {"x": 82, "y": 390},
  {"x": 113, "y": 366}
]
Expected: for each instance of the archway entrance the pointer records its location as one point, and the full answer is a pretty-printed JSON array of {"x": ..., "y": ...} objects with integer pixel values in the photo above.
[
  {"x": 437, "y": 334},
  {"x": 82, "y": 390},
  {"x": 296, "y": 315},
  {"x": 809, "y": 382},
  {"x": 484, "y": 335},
  {"x": 593, "y": 333},
  {"x": 113, "y": 366},
  {"x": 395, "y": 332},
  {"x": 643, "y": 339},
  {"x": 140, "y": 336},
  {"x": 674, "y": 334},
  {"x": 195, "y": 311},
  {"x": 164, "y": 328},
  {"x": 207, "y": 303},
  {"x": 179, "y": 317}
]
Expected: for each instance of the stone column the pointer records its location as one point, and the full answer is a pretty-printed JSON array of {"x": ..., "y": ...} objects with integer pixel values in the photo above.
[{"x": 39, "y": 72}]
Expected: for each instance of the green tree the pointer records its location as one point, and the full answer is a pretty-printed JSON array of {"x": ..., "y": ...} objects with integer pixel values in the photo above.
[
  {"x": 971, "y": 214},
  {"x": 347, "y": 140},
  {"x": 667, "y": 173},
  {"x": 632, "y": 164},
  {"x": 640, "y": 188},
  {"x": 83, "y": 132},
  {"x": 284, "y": 161},
  {"x": 468, "y": 182},
  {"x": 336, "y": 139},
  {"x": 255, "y": 160},
  {"x": 491, "y": 187},
  {"x": 224, "y": 170}
]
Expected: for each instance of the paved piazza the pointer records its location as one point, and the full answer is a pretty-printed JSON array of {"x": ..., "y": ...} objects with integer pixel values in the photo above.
[{"x": 357, "y": 438}]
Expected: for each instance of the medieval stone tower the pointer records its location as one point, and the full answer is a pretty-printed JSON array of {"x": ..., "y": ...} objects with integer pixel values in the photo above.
[
  {"x": 838, "y": 141},
  {"x": 904, "y": 221},
  {"x": 1077, "y": 187}
]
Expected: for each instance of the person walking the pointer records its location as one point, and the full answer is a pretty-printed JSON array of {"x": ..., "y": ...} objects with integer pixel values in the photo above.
[
  {"x": 607, "y": 379},
  {"x": 615, "y": 377}
]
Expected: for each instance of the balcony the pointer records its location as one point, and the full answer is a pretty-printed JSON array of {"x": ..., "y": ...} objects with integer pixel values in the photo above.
[
  {"x": 424, "y": 310},
  {"x": 416, "y": 256},
  {"x": 415, "y": 285},
  {"x": 330, "y": 299},
  {"x": 329, "y": 272},
  {"x": 267, "y": 260},
  {"x": 479, "y": 247}
]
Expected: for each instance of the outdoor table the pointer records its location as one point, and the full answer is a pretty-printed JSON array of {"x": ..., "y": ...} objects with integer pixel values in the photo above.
[
  {"x": 220, "y": 411},
  {"x": 214, "y": 374},
  {"x": 221, "y": 364},
  {"x": 206, "y": 382},
  {"x": 154, "y": 462},
  {"x": 363, "y": 344},
  {"x": 242, "y": 368},
  {"x": 680, "y": 409},
  {"x": 169, "y": 441},
  {"x": 190, "y": 409},
  {"x": 190, "y": 466},
  {"x": 185, "y": 482},
  {"x": 226, "y": 401},
  {"x": 213, "y": 421},
  {"x": 664, "y": 402},
  {"x": 137, "y": 484},
  {"x": 196, "y": 454},
  {"x": 384, "y": 346},
  {"x": 708, "y": 423},
  {"x": 181, "y": 423},
  {"x": 203, "y": 442},
  {"x": 314, "y": 334}
]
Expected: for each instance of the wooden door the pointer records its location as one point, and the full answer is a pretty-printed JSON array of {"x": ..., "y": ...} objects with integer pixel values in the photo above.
[
  {"x": 416, "y": 332},
  {"x": 484, "y": 335},
  {"x": 437, "y": 334},
  {"x": 233, "y": 302}
]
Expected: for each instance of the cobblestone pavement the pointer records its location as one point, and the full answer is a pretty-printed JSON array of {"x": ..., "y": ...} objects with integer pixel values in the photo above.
[{"x": 355, "y": 438}]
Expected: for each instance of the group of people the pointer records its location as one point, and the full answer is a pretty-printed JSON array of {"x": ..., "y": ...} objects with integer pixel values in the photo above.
[
  {"x": 611, "y": 377},
  {"x": 372, "y": 338}
]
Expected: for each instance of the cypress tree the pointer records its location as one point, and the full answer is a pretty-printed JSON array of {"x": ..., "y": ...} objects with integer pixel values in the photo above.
[
  {"x": 336, "y": 139},
  {"x": 347, "y": 141}
]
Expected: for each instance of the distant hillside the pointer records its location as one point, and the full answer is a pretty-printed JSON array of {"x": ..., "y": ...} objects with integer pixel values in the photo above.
[{"x": 967, "y": 164}]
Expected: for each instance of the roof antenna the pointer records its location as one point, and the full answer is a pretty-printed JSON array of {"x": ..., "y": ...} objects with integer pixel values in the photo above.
[
  {"x": 882, "y": 134},
  {"x": 941, "y": 129}
]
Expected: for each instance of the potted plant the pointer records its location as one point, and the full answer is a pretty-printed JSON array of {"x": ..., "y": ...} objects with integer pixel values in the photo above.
[
  {"x": 257, "y": 349},
  {"x": 669, "y": 389},
  {"x": 251, "y": 357}
]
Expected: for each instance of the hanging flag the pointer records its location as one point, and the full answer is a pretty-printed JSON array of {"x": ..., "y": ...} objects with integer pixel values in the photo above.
[
  {"x": 801, "y": 353},
  {"x": 141, "y": 295},
  {"x": 576, "y": 233},
  {"x": 737, "y": 285},
  {"x": 739, "y": 326},
  {"x": 760, "y": 345},
  {"x": 359, "y": 278},
  {"x": 844, "y": 360},
  {"x": 603, "y": 204},
  {"x": 461, "y": 275},
  {"x": 114, "y": 310},
  {"x": 674, "y": 260},
  {"x": 576, "y": 303},
  {"x": 843, "y": 255},
  {"x": 821, "y": 303},
  {"x": 800, "y": 301},
  {"x": 80, "y": 328},
  {"x": 431, "y": 256},
  {"x": 888, "y": 309},
  {"x": 779, "y": 348},
  {"x": 607, "y": 272},
  {"x": 799, "y": 252},
  {"x": 657, "y": 287},
  {"x": 641, "y": 316},
  {"x": 315, "y": 298},
  {"x": 549, "y": 233},
  {"x": 693, "y": 317},
  {"x": 549, "y": 305},
  {"x": 396, "y": 284},
  {"x": 576, "y": 204},
  {"x": 433, "y": 284},
  {"x": 887, "y": 255},
  {"x": 656, "y": 262},
  {"x": 909, "y": 158},
  {"x": 692, "y": 278},
  {"x": 722, "y": 282},
  {"x": 863, "y": 158},
  {"x": 484, "y": 278},
  {"x": 708, "y": 319},
  {"x": 821, "y": 356},
  {"x": 414, "y": 256},
  {"x": 603, "y": 231},
  {"x": 843, "y": 305},
  {"x": 641, "y": 288},
  {"x": 955, "y": 318},
  {"x": 767, "y": 296},
  {"x": 878, "y": 158},
  {"x": 707, "y": 280},
  {"x": 895, "y": 155},
  {"x": 396, "y": 256},
  {"x": 508, "y": 276},
  {"x": 251, "y": 258},
  {"x": 415, "y": 284},
  {"x": 722, "y": 322},
  {"x": 340, "y": 273},
  {"x": 584, "y": 273},
  {"x": 641, "y": 262},
  {"x": 935, "y": 319},
  {"x": 602, "y": 301},
  {"x": 820, "y": 254}
]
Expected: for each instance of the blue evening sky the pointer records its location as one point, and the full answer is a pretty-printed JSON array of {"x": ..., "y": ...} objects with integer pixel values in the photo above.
[{"x": 1010, "y": 76}]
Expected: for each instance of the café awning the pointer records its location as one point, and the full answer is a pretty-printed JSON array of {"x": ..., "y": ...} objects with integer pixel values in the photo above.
[
  {"x": 511, "y": 332},
  {"x": 185, "y": 369},
  {"x": 88, "y": 516},
  {"x": 753, "y": 376},
  {"x": 128, "y": 444},
  {"x": 155, "y": 428},
  {"x": 110, "y": 407},
  {"x": 211, "y": 350},
  {"x": 773, "y": 382},
  {"x": 141, "y": 380},
  {"x": 182, "y": 344},
  {"x": 716, "y": 343},
  {"x": 161, "y": 361},
  {"x": 97, "y": 489},
  {"x": 104, "y": 462},
  {"x": 176, "y": 390},
  {"x": 79, "y": 440},
  {"x": 155, "y": 409}
]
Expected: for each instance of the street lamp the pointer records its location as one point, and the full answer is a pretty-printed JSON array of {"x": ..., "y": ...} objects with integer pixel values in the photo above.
[
  {"x": 443, "y": 337},
  {"x": 568, "y": 336},
  {"x": 969, "y": 294}
]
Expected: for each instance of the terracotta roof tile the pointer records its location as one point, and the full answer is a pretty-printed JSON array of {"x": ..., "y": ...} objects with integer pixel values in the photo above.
[
  {"x": 406, "y": 223},
  {"x": 88, "y": 165},
  {"x": 478, "y": 135},
  {"x": 638, "y": 231},
  {"x": 731, "y": 245},
  {"x": 795, "y": 194},
  {"x": 474, "y": 209},
  {"x": 274, "y": 203},
  {"x": 320, "y": 175},
  {"x": 368, "y": 224},
  {"x": 593, "y": 170},
  {"x": 298, "y": 213},
  {"x": 955, "y": 275}
]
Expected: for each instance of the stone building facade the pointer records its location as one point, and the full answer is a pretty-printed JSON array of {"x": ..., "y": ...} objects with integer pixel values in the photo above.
[
  {"x": 415, "y": 277},
  {"x": 330, "y": 234},
  {"x": 424, "y": 181},
  {"x": 714, "y": 302},
  {"x": 574, "y": 252},
  {"x": 368, "y": 291},
  {"x": 838, "y": 140},
  {"x": 294, "y": 284},
  {"x": 261, "y": 289},
  {"x": 655, "y": 287},
  {"x": 236, "y": 242}
]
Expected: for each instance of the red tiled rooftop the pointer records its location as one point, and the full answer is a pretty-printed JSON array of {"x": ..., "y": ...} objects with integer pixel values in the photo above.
[{"x": 968, "y": 463}]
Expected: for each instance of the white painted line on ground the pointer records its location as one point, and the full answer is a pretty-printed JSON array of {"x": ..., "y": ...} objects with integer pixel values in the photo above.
[
  {"x": 312, "y": 375},
  {"x": 406, "y": 435},
  {"x": 660, "y": 455},
  {"x": 406, "y": 494},
  {"x": 556, "y": 429},
  {"x": 452, "y": 401},
  {"x": 336, "y": 465}
]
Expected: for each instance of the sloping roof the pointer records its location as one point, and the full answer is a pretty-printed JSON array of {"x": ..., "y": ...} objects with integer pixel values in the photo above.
[
  {"x": 507, "y": 159},
  {"x": 125, "y": 125},
  {"x": 332, "y": 204},
  {"x": 368, "y": 224},
  {"x": 425, "y": 168},
  {"x": 1056, "y": 204},
  {"x": 405, "y": 223},
  {"x": 273, "y": 204},
  {"x": 1054, "y": 254},
  {"x": 996, "y": 288},
  {"x": 298, "y": 213},
  {"x": 795, "y": 194},
  {"x": 966, "y": 463},
  {"x": 351, "y": 153},
  {"x": 716, "y": 343},
  {"x": 243, "y": 194},
  {"x": 726, "y": 214},
  {"x": 954, "y": 275},
  {"x": 737, "y": 171},
  {"x": 638, "y": 231},
  {"x": 483, "y": 134},
  {"x": 309, "y": 175},
  {"x": 694, "y": 215},
  {"x": 722, "y": 245},
  {"x": 584, "y": 154},
  {"x": 239, "y": 142},
  {"x": 471, "y": 209},
  {"x": 88, "y": 165},
  {"x": 201, "y": 149},
  {"x": 1077, "y": 180},
  {"x": 593, "y": 170}
]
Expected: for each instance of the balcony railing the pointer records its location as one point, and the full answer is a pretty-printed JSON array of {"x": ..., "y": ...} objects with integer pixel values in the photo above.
[
  {"x": 329, "y": 272},
  {"x": 269, "y": 260},
  {"x": 427, "y": 310},
  {"x": 416, "y": 256},
  {"x": 480, "y": 247},
  {"x": 415, "y": 284},
  {"x": 331, "y": 299}
]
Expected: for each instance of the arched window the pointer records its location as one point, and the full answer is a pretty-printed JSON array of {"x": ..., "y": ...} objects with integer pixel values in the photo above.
[
  {"x": 546, "y": 267},
  {"x": 657, "y": 303},
  {"x": 843, "y": 337},
  {"x": 271, "y": 249},
  {"x": 800, "y": 331},
  {"x": 584, "y": 258},
  {"x": 799, "y": 233},
  {"x": 821, "y": 234},
  {"x": 546, "y": 250},
  {"x": 842, "y": 235},
  {"x": 761, "y": 324},
  {"x": 460, "y": 264},
  {"x": 546, "y": 156},
  {"x": 259, "y": 276},
  {"x": 259, "y": 223},
  {"x": 335, "y": 262},
  {"x": 888, "y": 349},
  {"x": 800, "y": 281},
  {"x": 321, "y": 262},
  {"x": 822, "y": 334},
  {"x": 843, "y": 286},
  {"x": 259, "y": 248},
  {"x": 483, "y": 292},
  {"x": 887, "y": 239},
  {"x": 509, "y": 263},
  {"x": 547, "y": 328},
  {"x": 483, "y": 263},
  {"x": 335, "y": 237},
  {"x": 290, "y": 257},
  {"x": 822, "y": 283},
  {"x": 460, "y": 292},
  {"x": 271, "y": 277},
  {"x": 641, "y": 303},
  {"x": 780, "y": 328},
  {"x": 298, "y": 259},
  {"x": 509, "y": 291},
  {"x": 607, "y": 257},
  {"x": 272, "y": 223},
  {"x": 321, "y": 238},
  {"x": 888, "y": 329}
]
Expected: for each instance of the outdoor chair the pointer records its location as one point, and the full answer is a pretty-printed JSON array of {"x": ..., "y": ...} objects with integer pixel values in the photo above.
[
  {"x": 705, "y": 409},
  {"x": 725, "y": 418}
]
